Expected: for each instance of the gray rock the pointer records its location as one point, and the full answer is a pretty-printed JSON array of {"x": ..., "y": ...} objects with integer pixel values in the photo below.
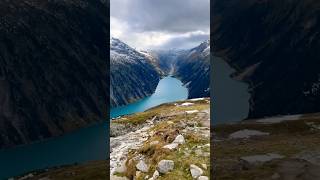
[
  {"x": 195, "y": 171},
  {"x": 258, "y": 159},
  {"x": 165, "y": 166},
  {"x": 179, "y": 139},
  {"x": 203, "y": 178},
  {"x": 204, "y": 166},
  {"x": 198, "y": 152},
  {"x": 155, "y": 175},
  {"x": 275, "y": 176},
  {"x": 44, "y": 178},
  {"x": 142, "y": 166},
  {"x": 171, "y": 146},
  {"x": 118, "y": 178},
  {"x": 122, "y": 168},
  {"x": 246, "y": 133},
  {"x": 154, "y": 143}
]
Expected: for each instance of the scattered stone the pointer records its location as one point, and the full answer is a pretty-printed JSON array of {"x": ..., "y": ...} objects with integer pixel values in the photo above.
[
  {"x": 122, "y": 168},
  {"x": 171, "y": 146},
  {"x": 206, "y": 154},
  {"x": 246, "y": 133},
  {"x": 154, "y": 143},
  {"x": 279, "y": 119},
  {"x": 27, "y": 176},
  {"x": 142, "y": 166},
  {"x": 138, "y": 174},
  {"x": 198, "y": 152},
  {"x": 207, "y": 145},
  {"x": 275, "y": 176},
  {"x": 187, "y": 104},
  {"x": 170, "y": 122},
  {"x": 118, "y": 178},
  {"x": 196, "y": 99},
  {"x": 310, "y": 156},
  {"x": 258, "y": 159},
  {"x": 165, "y": 166},
  {"x": 204, "y": 166},
  {"x": 192, "y": 111},
  {"x": 195, "y": 171},
  {"x": 296, "y": 169},
  {"x": 155, "y": 175},
  {"x": 203, "y": 178},
  {"x": 179, "y": 140},
  {"x": 44, "y": 178}
]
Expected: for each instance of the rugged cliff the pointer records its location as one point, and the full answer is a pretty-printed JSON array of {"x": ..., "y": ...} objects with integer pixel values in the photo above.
[
  {"x": 193, "y": 68},
  {"x": 133, "y": 74},
  {"x": 52, "y": 67},
  {"x": 274, "y": 45}
]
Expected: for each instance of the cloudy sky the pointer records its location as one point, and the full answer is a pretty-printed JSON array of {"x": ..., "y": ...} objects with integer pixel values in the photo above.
[{"x": 160, "y": 24}]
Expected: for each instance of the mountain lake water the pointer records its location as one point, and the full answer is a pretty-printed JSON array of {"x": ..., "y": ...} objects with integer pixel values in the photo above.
[
  {"x": 230, "y": 97},
  {"x": 83, "y": 145}
]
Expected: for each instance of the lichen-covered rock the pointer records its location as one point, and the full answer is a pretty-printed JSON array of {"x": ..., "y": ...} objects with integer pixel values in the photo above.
[
  {"x": 165, "y": 166},
  {"x": 142, "y": 166}
]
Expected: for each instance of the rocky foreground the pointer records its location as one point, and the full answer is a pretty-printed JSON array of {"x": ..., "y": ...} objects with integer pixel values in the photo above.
[
  {"x": 171, "y": 141},
  {"x": 285, "y": 148}
]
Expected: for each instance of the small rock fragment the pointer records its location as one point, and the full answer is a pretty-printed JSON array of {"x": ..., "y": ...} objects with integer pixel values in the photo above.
[
  {"x": 203, "y": 178},
  {"x": 171, "y": 146},
  {"x": 192, "y": 111},
  {"x": 154, "y": 143},
  {"x": 155, "y": 175},
  {"x": 195, "y": 171},
  {"x": 142, "y": 166},
  {"x": 179, "y": 139},
  {"x": 187, "y": 104},
  {"x": 118, "y": 178},
  {"x": 258, "y": 159},
  {"x": 275, "y": 176},
  {"x": 246, "y": 133},
  {"x": 204, "y": 166},
  {"x": 122, "y": 168}
]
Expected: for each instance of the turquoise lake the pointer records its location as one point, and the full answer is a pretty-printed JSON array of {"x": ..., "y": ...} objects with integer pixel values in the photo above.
[
  {"x": 87, "y": 144},
  {"x": 169, "y": 89},
  {"x": 230, "y": 97}
]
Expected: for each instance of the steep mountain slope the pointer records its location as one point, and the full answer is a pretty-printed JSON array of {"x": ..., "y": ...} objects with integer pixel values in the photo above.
[
  {"x": 274, "y": 45},
  {"x": 193, "y": 68},
  {"x": 132, "y": 74},
  {"x": 52, "y": 67},
  {"x": 167, "y": 59}
]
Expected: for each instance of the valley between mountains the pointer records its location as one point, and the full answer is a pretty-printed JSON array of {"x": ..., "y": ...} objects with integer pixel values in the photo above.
[{"x": 135, "y": 74}]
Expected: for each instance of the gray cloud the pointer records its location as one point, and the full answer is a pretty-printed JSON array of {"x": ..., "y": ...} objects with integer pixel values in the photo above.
[
  {"x": 184, "y": 42},
  {"x": 172, "y": 17}
]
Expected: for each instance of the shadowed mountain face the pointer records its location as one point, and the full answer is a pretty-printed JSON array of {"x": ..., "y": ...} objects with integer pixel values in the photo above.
[
  {"x": 193, "y": 68},
  {"x": 52, "y": 67},
  {"x": 274, "y": 46},
  {"x": 133, "y": 74}
]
